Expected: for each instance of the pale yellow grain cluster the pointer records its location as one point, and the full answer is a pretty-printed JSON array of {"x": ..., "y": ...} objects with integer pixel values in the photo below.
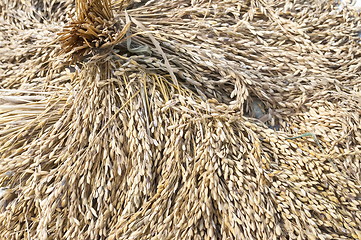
[{"x": 172, "y": 120}]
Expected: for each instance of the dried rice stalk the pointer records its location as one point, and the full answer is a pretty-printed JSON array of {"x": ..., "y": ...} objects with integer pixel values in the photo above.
[{"x": 172, "y": 121}]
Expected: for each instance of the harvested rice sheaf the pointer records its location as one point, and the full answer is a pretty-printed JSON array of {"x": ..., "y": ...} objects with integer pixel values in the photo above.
[{"x": 179, "y": 120}]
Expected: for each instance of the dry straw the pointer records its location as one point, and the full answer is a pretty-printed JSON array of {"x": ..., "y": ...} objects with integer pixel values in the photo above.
[{"x": 174, "y": 119}]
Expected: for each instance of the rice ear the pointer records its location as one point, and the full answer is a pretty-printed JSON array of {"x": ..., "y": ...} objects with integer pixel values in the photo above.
[{"x": 180, "y": 120}]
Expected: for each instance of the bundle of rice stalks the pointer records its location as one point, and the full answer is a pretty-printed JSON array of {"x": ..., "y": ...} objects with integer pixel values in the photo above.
[
  {"x": 177, "y": 120},
  {"x": 94, "y": 29}
]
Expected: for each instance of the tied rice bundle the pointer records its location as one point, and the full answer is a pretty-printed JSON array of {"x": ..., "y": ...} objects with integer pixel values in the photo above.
[{"x": 176, "y": 120}]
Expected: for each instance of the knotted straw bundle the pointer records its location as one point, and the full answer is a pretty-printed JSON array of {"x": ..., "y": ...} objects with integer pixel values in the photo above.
[{"x": 172, "y": 120}]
